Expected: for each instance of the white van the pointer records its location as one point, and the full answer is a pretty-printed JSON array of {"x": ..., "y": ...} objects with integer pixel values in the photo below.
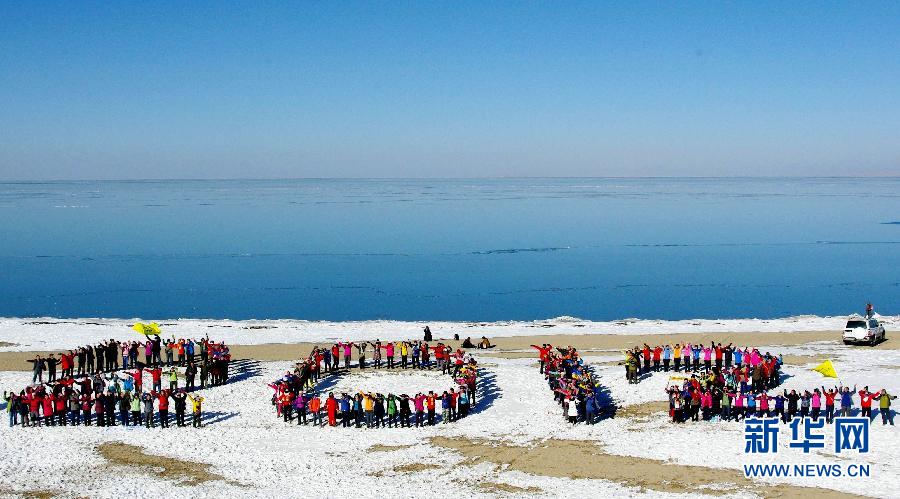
[{"x": 861, "y": 330}]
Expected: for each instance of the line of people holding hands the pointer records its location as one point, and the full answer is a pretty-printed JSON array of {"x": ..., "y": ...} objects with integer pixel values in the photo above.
[
  {"x": 104, "y": 400},
  {"x": 389, "y": 355},
  {"x": 112, "y": 355},
  {"x": 689, "y": 357},
  {"x": 715, "y": 398}
]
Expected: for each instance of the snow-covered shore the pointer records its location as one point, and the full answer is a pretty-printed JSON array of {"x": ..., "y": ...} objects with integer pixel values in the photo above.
[
  {"x": 259, "y": 455},
  {"x": 23, "y": 334}
]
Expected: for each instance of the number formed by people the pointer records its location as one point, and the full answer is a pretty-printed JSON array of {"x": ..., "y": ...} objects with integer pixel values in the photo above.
[
  {"x": 94, "y": 388},
  {"x": 296, "y": 396},
  {"x": 572, "y": 383}
]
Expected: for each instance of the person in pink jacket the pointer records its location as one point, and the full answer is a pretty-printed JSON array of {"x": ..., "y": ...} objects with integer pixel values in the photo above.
[
  {"x": 419, "y": 404},
  {"x": 816, "y": 404},
  {"x": 389, "y": 353},
  {"x": 348, "y": 351},
  {"x": 686, "y": 352},
  {"x": 707, "y": 358},
  {"x": 125, "y": 346},
  {"x": 755, "y": 358},
  {"x": 706, "y": 404},
  {"x": 739, "y": 407}
]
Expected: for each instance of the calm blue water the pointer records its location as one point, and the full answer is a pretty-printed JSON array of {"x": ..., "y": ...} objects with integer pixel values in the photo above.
[{"x": 450, "y": 249}]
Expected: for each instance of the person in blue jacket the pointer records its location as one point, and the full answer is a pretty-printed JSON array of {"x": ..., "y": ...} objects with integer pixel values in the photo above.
[
  {"x": 345, "y": 410},
  {"x": 846, "y": 400},
  {"x": 779, "y": 407},
  {"x": 590, "y": 408}
]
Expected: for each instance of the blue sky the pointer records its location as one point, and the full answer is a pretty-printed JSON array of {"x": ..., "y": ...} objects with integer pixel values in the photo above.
[{"x": 447, "y": 89}]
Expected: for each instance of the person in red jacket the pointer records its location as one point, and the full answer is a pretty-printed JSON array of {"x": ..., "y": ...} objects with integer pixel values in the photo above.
[
  {"x": 429, "y": 403},
  {"x": 287, "y": 405},
  {"x": 543, "y": 352},
  {"x": 65, "y": 363},
  {"x": 85, "y": 401},
  {"x": 454, "y": 395},
  {"x": 440, "y": 357},
  {"x": 774, "y": 373},
  {"x": 646, "y": 353},
  {"x": 331, "y": 408},
  {"x": 315, "y": 407},
  {"x": 317, "y": 363},
  {"x": 457, "y": 362},
  {"x": 47, "y": 406},
  {"x": 138, "y": 375},
  {"x": 829, "y": 404},
  {"x": 657, "y": 357},
  {"x": 34, "y": 408},
  {"x": 335, "y": 356},
  {"x": 865, "y": 402},
  {"x": 426, "y": 356},
  {"x": 695, "y": 405},
  {"x": 156, "y": 374},
  {"x": 163, "y": 409},
  {"x": 59, "y": 408}
]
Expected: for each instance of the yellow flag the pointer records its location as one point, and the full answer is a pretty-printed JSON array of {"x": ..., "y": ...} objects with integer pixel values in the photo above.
[
  {"x": 826, "y": 369},
  {"x": 145, "y": 329}
]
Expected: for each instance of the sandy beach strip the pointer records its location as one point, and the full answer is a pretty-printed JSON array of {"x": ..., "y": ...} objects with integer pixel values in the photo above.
[{"x": 520, "y": 346}]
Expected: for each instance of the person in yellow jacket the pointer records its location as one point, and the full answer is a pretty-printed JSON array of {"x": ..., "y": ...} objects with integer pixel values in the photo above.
[
  {"x": 197, "y": 405},
  {"x": 404, "y": 352},
  {"x": 884, "y": 406},
  {"x": 173, "y": 379},
  {"x": 676, "y": 355},
  {"x": 368, "y": 404}
]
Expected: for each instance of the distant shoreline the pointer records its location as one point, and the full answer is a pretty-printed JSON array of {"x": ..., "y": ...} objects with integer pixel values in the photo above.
[
  {"x": 437, "y": 179},
  {"x": 45, "y": 334}
]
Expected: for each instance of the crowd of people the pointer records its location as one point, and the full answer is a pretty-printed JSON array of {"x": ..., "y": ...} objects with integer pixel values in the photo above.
[
  {"x": 572, "y": 383},
  {"x": 93, "y": 387},
  {"x": 295, "y": 395},
  {"x": 718, "y": 398}
]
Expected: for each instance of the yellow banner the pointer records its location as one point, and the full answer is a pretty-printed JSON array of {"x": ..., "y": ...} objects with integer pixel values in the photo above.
[
  {"x": 147, "y": 329},
  {"x": 826, "y": 369}
]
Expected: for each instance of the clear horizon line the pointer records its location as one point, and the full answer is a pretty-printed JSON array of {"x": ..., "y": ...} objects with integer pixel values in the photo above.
[{"x": 495, "y": 177}]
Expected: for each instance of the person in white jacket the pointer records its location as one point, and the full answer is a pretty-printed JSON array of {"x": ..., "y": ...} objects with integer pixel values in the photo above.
[{"x": 572, "y": 411}]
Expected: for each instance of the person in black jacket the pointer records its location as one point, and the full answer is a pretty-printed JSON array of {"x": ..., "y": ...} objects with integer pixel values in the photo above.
[
  {"x": 404, "y": 410},
  {"x": 157, "y": 342},
  {"x": 89, "y": 358},
  {"x": 100, "y": 357},
  {"x": 110, "y": 409},
  {"x": 82, "y": 358},
  {"x": 112, "y": 355},
  {"x": 38, "y": 369},
  {"x": 190, "y": 372},
  {"x": 51, "y": 368},
  {"x": 180, "y": 399},
  {"x": 792, "y": 399}
]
